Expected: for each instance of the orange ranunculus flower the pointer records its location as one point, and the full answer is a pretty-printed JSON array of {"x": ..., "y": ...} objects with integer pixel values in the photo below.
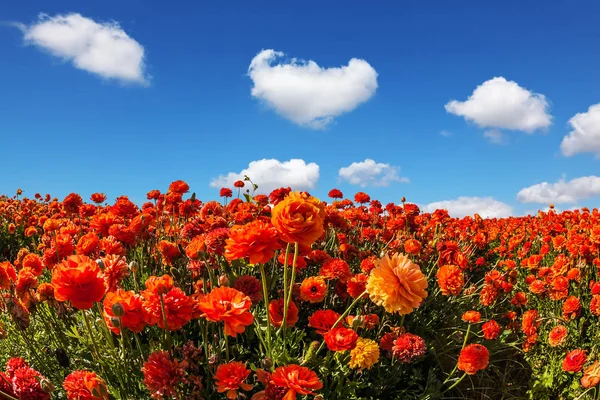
[
  {"x": 178, "y": 307},
  {"x": 557, "y": 335},
  {"x": 412, "y": 246},
  {"x": 299, "y": 218},
  {"x": 85, "y": 385},
  {"x": 129, "y": 305},
  {"x": 397, "y": 284},
  {"x": 228, "y": 305},
  {"x": 276, "y": 313},
  {"x": 591, "y": 376},
  {"x": 169, "y": 251},
  {"x": 257, "y": 241},
  {"x": 7, "y": 274},
  {"x": 230, "y": 378},
  {"x": 450, "y": 280},
  {"x": 87, "y": 244},
  {"x": 79, "y": 280},
  {"x": 473, "y": 358},
  {"x": 33, "y": 262},
  {"x": 471, "y": 317},
  {"x": 313, "y": 289},
  {"x": 196, "y": 247},
  {"x": 296, "y": 379},
  {"x": 340, "y": 339}
]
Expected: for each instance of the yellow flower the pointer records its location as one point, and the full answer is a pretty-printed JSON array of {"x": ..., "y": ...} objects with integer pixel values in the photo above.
[
  {"x": 365, "y": 354},
  {"x": 397, "y": 284}
]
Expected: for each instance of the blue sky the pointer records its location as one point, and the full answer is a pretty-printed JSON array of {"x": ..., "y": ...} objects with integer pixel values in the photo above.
[{"x": 102, "y": 121}]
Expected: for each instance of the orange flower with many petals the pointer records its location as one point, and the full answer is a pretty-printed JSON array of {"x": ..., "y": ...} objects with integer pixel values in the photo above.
[
  {"x": 257, "y": 241},
  {"x": 276, "y": 313},
  {"x": 313, "y": 289},
  {"x": 85, "y": 385},
  {"x": 296, "y": 379},
  {"x": 450, "y": 280},
  {"x": 230, "y": 378},
  {"x": 79, "y": 280},
  {"x": 178, "y": 307},
  {"x": 591, "y": 376},
  {"x": 299, "y": 218},
  {"x": 473, "y": 358},
  {"x": 228, "y": 305},
  {"x": 397, "y": 284},
  {"x": 129, "y": 305}
]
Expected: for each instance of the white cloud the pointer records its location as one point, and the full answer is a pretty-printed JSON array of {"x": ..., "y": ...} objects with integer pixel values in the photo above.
[
  {"x": 308, "y": 94},
  {"x": 270, "y": 174},
  {"x": 445, "y": 133},
  {"x": 498, "y": 103},
  {"x": 495, "y": 136},
  {"x": 561, "y": 191},
  {"x": 102, "y": 48},
  {"x": 369, "y": 173},
  {"x": 486, "y": 207},
  {"x": 585, "y": 136}
]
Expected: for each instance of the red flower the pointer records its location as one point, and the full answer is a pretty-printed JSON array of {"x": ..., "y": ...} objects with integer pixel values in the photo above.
[
  {"x": 574, "y": 360},
  {"x": 323, "y": 320},
  {"x": 178, "y": 307},
  {"x": 335, "y": 194},
  {"x": 250, "y": 286},
  {"x": 557, "y": 335},
  {"x": 79, "y": 280},
  {"x": 129, "y": 305},
  {"x": 26, "y": 383},
  {"x": 230, "y": 378},
  {"x": 361, "y": 198},
  {"x": 276, "y": 313},
  {"x": 571, "y": 308},
  {"x": 357, "y": 285},
  {"x": 340, "y": 339},
  {"x": 407, "y": 347},
  {"x": 296, "y": 379},
  {"x": 473, "y": 358},
  {"x": 335, "y": 268},
  {"x": 162, "y": 375},
  {"x": 225, "y": 192},
  {"x": 85, "y": 385},
  {"x": 491, "y": 330},
  {"x": 7, "y": 274}
]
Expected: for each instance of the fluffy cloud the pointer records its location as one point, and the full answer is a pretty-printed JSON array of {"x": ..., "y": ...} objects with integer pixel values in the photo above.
[
  {"x": 102, "y": 48},
  {"x": 308, "y": 94},
  {"x": 561, "y": 191},
  {"x": 495, "y": 136},
  {"x": 486, "y": 207},
  {"x": 585, "y": 136},
  {"x": 271, "y": 174},
  {"x": 369, "y": 173},
  {"x": 498, "y": 103}
]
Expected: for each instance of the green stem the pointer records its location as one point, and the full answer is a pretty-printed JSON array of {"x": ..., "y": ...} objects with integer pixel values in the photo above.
[
  {"x": 290, "y": 291},
  {"x": 168, "y": 341},
  {"x": 89, "y": 329},
  {"x": 226, "y": 346},
  {"x": 455, "y": 383},
  {"x": 463, "y": 346},
  {"x": 263, "y": 277}
]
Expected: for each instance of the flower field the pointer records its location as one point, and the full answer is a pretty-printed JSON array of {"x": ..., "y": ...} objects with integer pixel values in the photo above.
[{"x": 285, "y": 296}]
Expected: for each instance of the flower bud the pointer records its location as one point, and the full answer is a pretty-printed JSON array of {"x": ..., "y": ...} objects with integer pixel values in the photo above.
[
  {"x": 100, "y": 263},
  {"x": 267, "y": 363},
  {"x": 46, "y": 385},
  {"x": 115, "y": 322},
  {"x": 133, "y": 266},
  {"x": 223, "y": 280},
  {"x": 118, "y": 310}
]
